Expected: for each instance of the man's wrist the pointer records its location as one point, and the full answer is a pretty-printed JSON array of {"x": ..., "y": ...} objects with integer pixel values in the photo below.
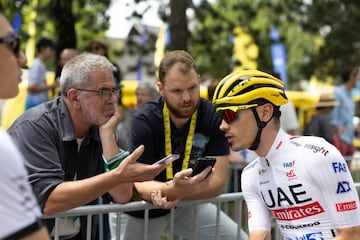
[{"x": 114, "y": 161}]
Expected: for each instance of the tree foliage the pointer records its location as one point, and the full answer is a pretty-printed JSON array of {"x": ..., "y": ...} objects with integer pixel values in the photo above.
[
  {"x": 320, "y": 36},
  {"x": 69, "y": 23}
]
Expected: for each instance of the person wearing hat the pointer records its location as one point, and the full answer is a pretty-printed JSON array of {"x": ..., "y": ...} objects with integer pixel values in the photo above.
[
  {"x": 319, "y": 124},
  {"x": 303, "y": 182},
  {"x": 100, "y": 46},
  {"x": 37, "y": 90}
]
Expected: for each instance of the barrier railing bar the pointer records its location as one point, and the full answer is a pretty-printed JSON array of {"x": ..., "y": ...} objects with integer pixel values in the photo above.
[
  {"x": 89, "y": 224},
  {"x": 172, "y": 225},
  {"x": 118, "y": 225},
  {"x": 217, "y": 232},
  {"x": 56, "y": 233}
]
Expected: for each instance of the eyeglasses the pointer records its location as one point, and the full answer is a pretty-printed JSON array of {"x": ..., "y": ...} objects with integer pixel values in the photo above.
[
  {"x": 106, "y": 94},
  {"x": 229, "y": 113},
  {"x": 13, "y": 43}
]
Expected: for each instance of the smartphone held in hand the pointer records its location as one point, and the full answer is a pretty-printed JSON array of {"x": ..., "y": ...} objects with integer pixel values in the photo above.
[
  {"x": 168, "y": 159},
  {"x": 198, "y": 165}
]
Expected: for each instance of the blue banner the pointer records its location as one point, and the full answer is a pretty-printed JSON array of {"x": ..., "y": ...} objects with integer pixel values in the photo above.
[
  {"x": 17, "y": 22},
  {"x": 143, "y": 38},
  {"x": 278, "y": 55}
]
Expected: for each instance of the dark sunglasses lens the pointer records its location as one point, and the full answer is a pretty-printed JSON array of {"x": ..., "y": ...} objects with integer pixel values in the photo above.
[
  {"x": 228, "y": 115},
  {"x": 16, "y": 47}
]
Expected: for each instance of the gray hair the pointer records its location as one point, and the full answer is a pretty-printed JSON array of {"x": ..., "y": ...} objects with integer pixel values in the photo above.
[
  {"x": 150, "y": 86},
  {"x": 76, "y": 72}
]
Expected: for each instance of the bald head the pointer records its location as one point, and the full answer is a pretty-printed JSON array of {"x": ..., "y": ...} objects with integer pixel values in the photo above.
[{"x": 66, "y": 55}]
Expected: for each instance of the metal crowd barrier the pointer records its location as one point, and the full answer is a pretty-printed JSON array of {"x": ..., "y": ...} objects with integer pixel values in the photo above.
[{"x": 222, "y": 201}]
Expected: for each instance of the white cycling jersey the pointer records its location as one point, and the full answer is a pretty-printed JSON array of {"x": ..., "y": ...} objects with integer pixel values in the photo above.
[
  {"x": 305, "y": 184},
  {"x": 19, "y": 211}
]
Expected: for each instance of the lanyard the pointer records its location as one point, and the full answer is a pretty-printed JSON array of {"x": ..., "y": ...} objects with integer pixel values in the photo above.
[{"x": 189, "y": 140}]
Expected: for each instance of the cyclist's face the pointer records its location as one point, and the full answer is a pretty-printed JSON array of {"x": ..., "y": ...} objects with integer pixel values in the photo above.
[
  {"x": 181, "y": 91},
  {"x": 242, "y": 131}
]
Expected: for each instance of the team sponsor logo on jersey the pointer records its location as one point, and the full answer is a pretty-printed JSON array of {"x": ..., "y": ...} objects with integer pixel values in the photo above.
[
  {"x": 279, "y": 197},
  {"x": 343, "y": 187},
  {"x": 291, "y": 175},
  {"x": 295, "y": 213},
  {"x": 296, "y": 144},
  {"x": 317, "y": 149},
  {"x": 308, "y": 236},
  {"x": 289, "y": 164},
  {"x": 346, "y": 206},
  {"x": 305, "y": 225},
  {"x": 339, "y": 167}
]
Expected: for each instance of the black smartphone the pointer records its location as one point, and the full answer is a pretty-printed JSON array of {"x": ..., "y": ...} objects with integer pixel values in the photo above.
[{"x": 198, "y": 165}]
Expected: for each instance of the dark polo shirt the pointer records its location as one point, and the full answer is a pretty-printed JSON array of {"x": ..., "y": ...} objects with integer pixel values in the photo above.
[{"x": 46, "y": 137}]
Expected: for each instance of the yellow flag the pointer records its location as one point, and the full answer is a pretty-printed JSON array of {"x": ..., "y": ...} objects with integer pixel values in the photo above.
[
  {"x": 160, "y": 45},
  {"x": 245, "y": 51}
]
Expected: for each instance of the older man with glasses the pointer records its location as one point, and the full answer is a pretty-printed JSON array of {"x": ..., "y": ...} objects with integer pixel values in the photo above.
[{"x": 72, "y": 152}]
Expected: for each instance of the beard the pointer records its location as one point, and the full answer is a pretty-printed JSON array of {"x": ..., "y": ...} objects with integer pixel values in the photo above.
[
  {"x": 176, "y": 111},
  {"x": 96, "y": 117}
]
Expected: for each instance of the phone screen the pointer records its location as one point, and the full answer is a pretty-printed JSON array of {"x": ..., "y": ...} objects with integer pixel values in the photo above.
[
  {"x": 198, "y": 165},
  {"x": 168, "y": 159}
]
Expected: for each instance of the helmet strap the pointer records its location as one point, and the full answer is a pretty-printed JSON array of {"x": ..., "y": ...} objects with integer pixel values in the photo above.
[{"x": 261, "y": 125}]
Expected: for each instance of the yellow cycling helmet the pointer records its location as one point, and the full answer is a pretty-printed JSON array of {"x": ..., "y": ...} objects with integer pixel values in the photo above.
[{"x": 247, "y": 86}]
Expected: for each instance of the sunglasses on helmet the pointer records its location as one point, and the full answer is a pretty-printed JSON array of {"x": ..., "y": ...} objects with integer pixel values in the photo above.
[{"x": 229, "y": 113}]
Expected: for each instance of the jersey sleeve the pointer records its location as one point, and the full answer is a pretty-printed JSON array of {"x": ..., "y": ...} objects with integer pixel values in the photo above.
[
  {"x": 258, "y": 214},
  {"x": 331, "y": 174}
]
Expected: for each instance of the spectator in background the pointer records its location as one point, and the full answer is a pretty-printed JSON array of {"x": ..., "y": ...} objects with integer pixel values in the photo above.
[
  {"x": 145, "y": 92},
  {"x": 319, "y": 124},
  {"x": 343, "y": 114},
  {"x": 20, "y": 215},
  {"x": 100, "y": 46},
  {"x": 65, "y": 55},
  {"x": 37, "y": 90},
  {"x": 288, "y": 119}
]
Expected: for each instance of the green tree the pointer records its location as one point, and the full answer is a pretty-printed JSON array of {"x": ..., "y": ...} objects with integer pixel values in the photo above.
[
  {"x": 178, "y": 25},
  {"x": 69, "y": 23}
]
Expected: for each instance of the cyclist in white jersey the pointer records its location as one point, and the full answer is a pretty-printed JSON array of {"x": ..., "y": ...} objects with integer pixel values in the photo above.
[{"x": 302, "y": 181}]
